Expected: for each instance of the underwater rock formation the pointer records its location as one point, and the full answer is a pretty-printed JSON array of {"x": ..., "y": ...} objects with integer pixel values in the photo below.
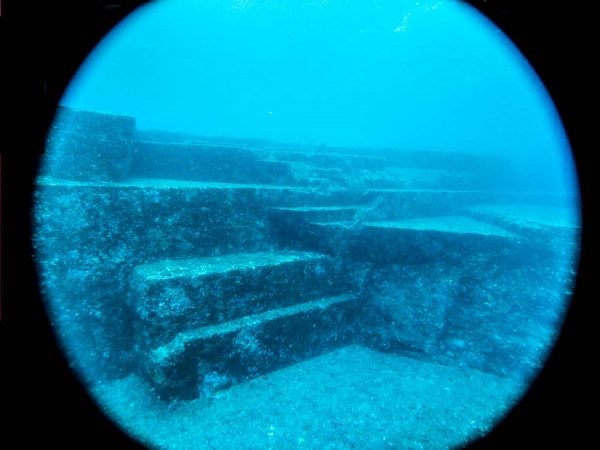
[{"x": 197, "y": 265}]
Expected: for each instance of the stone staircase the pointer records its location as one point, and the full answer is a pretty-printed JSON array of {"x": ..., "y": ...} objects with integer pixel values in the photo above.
[
  {"x": 197, "y": 362},
  {"x": 235, "y": 316},
  {"x": 240, "y": 258}
]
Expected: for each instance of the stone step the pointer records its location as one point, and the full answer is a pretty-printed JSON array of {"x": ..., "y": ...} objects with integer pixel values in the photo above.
[
  {"x": 220, "y": 163},
  {"x": 200, "y": 361},
  {"x": 262, "y": 195},
  {"x": 410, "y": 178},
  {"x": 357, "y": 177},
  {"x": 289, "y": 226},
  {"x": 157, "y": 218},
  {"x": 407, "y": 241},
  {"x": 394, "y": 203},
  {"x": 487, "y": 168},
  {"x": 330, "y": 160},
  {"x": 174, "y": 295},
  {"x": 334, "y": 213},
  {"x": 276, "y": 172},
  {"x": 142, "y": 219},
  {"x": 553, "y": 230},
  {"x": 527, "y": 218}
]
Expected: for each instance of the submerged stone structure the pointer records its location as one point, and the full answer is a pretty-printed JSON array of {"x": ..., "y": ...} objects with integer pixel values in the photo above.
[{"x": 200, "y": 263}]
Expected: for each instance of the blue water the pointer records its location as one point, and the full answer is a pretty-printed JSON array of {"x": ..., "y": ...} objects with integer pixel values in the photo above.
[
  {"x": 241, "y": 244},
  {"x": 431, "y": 75}
]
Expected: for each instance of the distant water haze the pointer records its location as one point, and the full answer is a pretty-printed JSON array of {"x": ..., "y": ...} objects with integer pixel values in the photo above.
[{"x": 415, "y": 75}]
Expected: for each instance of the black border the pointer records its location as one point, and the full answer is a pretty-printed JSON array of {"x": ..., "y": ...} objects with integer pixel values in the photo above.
[{"x": 42, "y": 44}]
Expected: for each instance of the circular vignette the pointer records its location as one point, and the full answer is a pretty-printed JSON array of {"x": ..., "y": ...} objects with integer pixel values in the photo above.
[{"x": 542, "y": 74}]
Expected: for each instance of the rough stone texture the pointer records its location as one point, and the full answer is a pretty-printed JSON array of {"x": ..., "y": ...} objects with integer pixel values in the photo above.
[
  {"x": 482, "y": 287},
  {"x": 200, "y": 361},
  {"x": 491, "y": 308},
  {"x": 175, "y": 295},
  {"x": 89, "y": 237},
  {"x": 89, "y": 146},
  {"x": 405, "y": 241},
  {"x": 406, "y": 307},
  {"x": 399, "y": 204},
  {"x": 293, "y": 215},
  {"x": 373, "y": 158},
  {"x": 551, "y": 228},
  {"x": 220, "y": 163},
  {"x": 341, "y": 173}
]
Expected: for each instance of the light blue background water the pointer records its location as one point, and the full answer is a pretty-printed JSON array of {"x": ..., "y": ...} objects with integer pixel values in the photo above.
[{"x": 431, "y": 75}]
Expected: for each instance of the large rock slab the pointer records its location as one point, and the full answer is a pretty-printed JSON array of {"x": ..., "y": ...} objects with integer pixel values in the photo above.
[
  {"x": 400, "y": 204},
  {"x": 408, "y": 203},
  {"x": 407, "y": 241},
  {"x": 357, "y": 177},
  {"x": 89, "y": 146},
  {"x": 454, "y": 169},
  {"x": 206, "y": 162},
  {"x": 487, "y": 302},
  {"x": 406, "y": 307},
  {"x": 200, "y": 361},
  {"x": 552, "y": 226},
  {"x": 175, "y": 295},
  {"x": 507, "y": 315}
]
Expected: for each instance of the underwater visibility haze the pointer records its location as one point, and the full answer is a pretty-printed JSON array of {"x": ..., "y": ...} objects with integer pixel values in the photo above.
[{"x": 306, "y": 224}]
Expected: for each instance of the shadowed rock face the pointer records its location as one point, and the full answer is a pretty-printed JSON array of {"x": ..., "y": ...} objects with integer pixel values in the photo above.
[
  {"x": 89, "y": 146},
  {"x": 198, "y": 265}
]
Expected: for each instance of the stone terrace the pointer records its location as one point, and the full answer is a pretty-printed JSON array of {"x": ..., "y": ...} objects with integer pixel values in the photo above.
[{"x": 201, "y": 263}]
